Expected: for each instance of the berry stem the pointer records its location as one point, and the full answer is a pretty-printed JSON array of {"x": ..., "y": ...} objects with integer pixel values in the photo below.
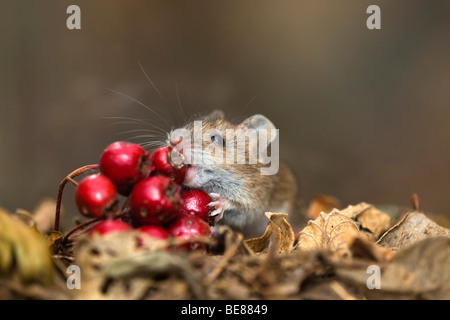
[
  {"x": 68, "y": 178},
  {"x": 78, "y": 227},
  {"x": 73, "y": 182}
]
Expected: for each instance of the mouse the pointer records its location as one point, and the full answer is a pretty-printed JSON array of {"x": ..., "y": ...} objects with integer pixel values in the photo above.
[{"x": 240, "y": 189}]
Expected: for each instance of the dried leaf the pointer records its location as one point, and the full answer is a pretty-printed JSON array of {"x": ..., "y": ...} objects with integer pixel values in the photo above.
[
  {"x": 421, "y": 270},
  {"x": 233, "y": 243},
  {"x": 260, "y": 244},
  {"x": 414, "y": 226},
  {"x": 153, "y": 264},
  {"x": 361, "y": 248},
  {"x": 330, "y": 290},
  {"x": 278, "y": 237},
  {"x": 225, "y": 239},
  {"x": 26, "y": 217},
  {"x": 322, "y": 203},
  {"x": 312, "y": 236},
  {"x": 231, "y": 288},
  {"x": 43, "y": 214},
  {"x": 370, "y": 218},
  {"x": 13, "y": 288},
  {"x": 329, "y": 231},
  {"x": 115, "y": 267},
  {"x": 340, "y": 230},
  {"x": 24, "y": 250}
]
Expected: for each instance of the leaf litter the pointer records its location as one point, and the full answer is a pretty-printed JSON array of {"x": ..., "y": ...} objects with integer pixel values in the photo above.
[{"x": 330, "y": 258}]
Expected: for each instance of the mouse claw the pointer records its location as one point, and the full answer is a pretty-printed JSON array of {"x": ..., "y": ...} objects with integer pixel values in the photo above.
[
  {"x": 215, "y": 196},
  {"x": 213, "y": 204},
  {"x": 219, "y": 204},
  {"x": 216, "y": 215}
]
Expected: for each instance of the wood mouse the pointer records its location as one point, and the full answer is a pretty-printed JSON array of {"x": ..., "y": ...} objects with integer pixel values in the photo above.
[{"x": 240, "y": 191}]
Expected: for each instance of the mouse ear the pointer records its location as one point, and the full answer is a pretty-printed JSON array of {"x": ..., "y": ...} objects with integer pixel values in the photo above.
[
  {"x": 216, "y": 115},
  {"x": 260, "y": 122}
]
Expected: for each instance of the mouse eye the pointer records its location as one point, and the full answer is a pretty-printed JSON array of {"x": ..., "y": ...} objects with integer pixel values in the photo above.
[{"x": 217, "y": 139}]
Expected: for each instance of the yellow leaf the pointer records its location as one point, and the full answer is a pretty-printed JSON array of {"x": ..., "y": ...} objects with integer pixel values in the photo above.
[{"x": 23, "y": 249}]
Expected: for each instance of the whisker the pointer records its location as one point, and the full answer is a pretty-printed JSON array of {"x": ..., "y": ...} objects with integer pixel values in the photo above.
[
  {"x": 134, "y": 121},
  {"x": 248, "y": 103},
  {"x": 143, "y": 136},
  {"x": 180, "y": 107},
  {"x": 144, "y": 130},
  {"x": 147, "y": 142},
  {"x": 151, "y": 83},
  {"x": 120, "y": 123},
  {"x": 152, "y": 146},
  {"x": 140, "y": 103},
  {"x": 155, "y": 88},
  {"x": 146, "y": 139}
]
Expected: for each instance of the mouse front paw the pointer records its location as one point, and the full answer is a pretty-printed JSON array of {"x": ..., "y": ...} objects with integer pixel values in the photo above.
[{"x": 220, "y": 205}]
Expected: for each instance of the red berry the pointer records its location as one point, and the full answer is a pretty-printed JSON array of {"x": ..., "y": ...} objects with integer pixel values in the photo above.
[
  {"x": 161, "y": 164},
  {"x": 96, "y": 196},
  {"x": 187, "y": 226},
  {"x": 125, "y": 164},
  {"x": 109, "y": 226},
  {"x": 196, "y": 202},
  {"x": 155, "y": 200},
  {"x": 154, "y": 231}
]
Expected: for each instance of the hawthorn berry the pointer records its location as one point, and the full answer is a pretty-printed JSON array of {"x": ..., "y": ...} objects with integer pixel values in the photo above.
[
  {"x": 195, "y": 202},
  {"x": 155, "y": 200},
  {"x": 161, "y": 164},
  {"x": 188, "y": 226},
  {"x": 109, "y": 226},
  {"x": 96, "y": 196},
  {"x": 125, "y": 164},
  {"x": 154, "y": 231}
]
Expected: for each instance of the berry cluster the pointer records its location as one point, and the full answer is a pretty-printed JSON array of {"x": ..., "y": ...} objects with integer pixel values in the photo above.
[{"x": 155, "y": 203}]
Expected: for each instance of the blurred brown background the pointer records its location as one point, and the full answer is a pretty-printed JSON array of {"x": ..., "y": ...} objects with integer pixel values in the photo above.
[{"x": 363, "y": 115}]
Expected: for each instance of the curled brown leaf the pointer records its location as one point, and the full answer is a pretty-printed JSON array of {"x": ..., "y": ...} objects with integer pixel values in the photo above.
[{"x": 278, "y": 237}]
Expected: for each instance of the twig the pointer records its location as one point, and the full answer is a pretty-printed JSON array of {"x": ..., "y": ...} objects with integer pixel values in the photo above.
[
  {"x": 415, "y": 202},
  {"x": 229, "y": 253},
  {"x": 69, "y": 178},
  {"x": 78, "y": 227}
]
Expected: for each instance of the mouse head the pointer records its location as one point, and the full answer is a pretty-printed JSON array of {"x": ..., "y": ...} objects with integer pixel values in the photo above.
[{"x": 216, "y": 148}]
